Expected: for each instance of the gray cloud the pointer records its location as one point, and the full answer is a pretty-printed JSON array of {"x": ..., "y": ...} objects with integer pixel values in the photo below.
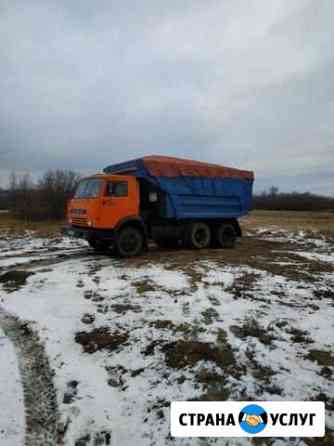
[{"x": 247, "y": 84}]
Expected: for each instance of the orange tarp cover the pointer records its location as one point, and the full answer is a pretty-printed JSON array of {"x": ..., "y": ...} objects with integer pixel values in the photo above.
[{"x": 173, "y": 167}]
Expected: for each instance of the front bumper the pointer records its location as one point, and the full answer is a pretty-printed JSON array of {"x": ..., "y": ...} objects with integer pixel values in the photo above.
[{"x": 87, "y": 233}]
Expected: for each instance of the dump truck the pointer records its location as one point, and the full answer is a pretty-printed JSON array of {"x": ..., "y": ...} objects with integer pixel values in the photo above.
[{"x": 170, "y": 201}]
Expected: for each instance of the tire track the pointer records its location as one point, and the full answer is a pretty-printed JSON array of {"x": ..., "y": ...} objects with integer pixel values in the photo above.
[
  {"x": 40, "y": 399},
  {"x": 39, "y": 252},
  {"x": 47, "y": 260}
]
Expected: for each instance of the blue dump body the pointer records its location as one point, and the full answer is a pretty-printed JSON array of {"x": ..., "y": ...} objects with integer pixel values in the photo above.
[{"x": 193, "y": 190}]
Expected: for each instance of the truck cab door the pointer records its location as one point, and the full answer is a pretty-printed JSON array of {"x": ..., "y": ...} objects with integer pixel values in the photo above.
[{"x": 120, "y": 200}]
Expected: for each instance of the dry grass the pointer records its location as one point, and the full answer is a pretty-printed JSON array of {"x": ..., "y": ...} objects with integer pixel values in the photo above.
[
  {"x": 16, "y": 226},
  {"x": 290, "y": 220}
]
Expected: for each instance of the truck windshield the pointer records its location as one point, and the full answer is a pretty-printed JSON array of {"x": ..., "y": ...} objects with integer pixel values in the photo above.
[{"x": 88, "y": 188}]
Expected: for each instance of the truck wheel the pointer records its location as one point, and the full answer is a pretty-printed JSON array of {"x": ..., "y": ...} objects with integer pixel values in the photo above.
[
  {"x": 129, "y": 242},
  {"x": 198, "y": 236},
  {"x": 226, "y": 236}
]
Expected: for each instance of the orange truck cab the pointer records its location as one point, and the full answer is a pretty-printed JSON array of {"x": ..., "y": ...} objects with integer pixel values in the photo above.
[
  {"x": 102, "y": 204},
  {"x": 169, "y": 200}
]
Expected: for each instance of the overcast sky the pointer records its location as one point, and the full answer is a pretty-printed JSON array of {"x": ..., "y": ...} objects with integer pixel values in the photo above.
[{"x": 248, "y": 84}]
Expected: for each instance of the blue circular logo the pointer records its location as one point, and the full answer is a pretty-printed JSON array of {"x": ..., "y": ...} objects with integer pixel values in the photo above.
[{"x": 253, "y": 419}]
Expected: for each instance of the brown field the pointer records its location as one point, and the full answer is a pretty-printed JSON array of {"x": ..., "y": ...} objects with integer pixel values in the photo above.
[
  {"x": 292, "y": 221},
  {"x": 13, "y": 225}
]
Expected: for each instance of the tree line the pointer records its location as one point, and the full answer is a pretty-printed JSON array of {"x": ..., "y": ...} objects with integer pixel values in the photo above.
[
  {"x": 292, "y": 201},
  {"x": 45, "y": 199}
]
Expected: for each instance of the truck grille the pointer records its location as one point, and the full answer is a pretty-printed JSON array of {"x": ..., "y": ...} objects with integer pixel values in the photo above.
[{"x": 79, "y": 221}]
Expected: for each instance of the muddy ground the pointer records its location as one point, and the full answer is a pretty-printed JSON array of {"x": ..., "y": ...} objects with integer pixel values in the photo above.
[{"x": 123, "y": 338}]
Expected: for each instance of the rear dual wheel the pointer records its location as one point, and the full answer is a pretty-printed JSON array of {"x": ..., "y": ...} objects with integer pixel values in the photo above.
[
  {"x": 226, "y": 236},
  {"x": 198, "y": 235}
]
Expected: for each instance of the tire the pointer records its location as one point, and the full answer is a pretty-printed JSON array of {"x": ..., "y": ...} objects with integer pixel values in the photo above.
[
  {"x": 226, "y": 236},
  {"x": 129, "y": 242},
  {"x": 98, "y": 245},
  {"x": 198, "y": 236}
]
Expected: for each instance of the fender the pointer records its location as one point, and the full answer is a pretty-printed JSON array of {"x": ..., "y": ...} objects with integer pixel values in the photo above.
[{"x": 131, "y": 219}]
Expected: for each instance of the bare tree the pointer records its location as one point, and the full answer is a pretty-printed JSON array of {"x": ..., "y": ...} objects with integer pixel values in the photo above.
[
  {"x": 13, "y": 187},
  {"x": 55, "y": 188},
  {"x": 45, "y": 200},
  {"x": 25, "y": 195},
  {"x": 273, "y": 191}
]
